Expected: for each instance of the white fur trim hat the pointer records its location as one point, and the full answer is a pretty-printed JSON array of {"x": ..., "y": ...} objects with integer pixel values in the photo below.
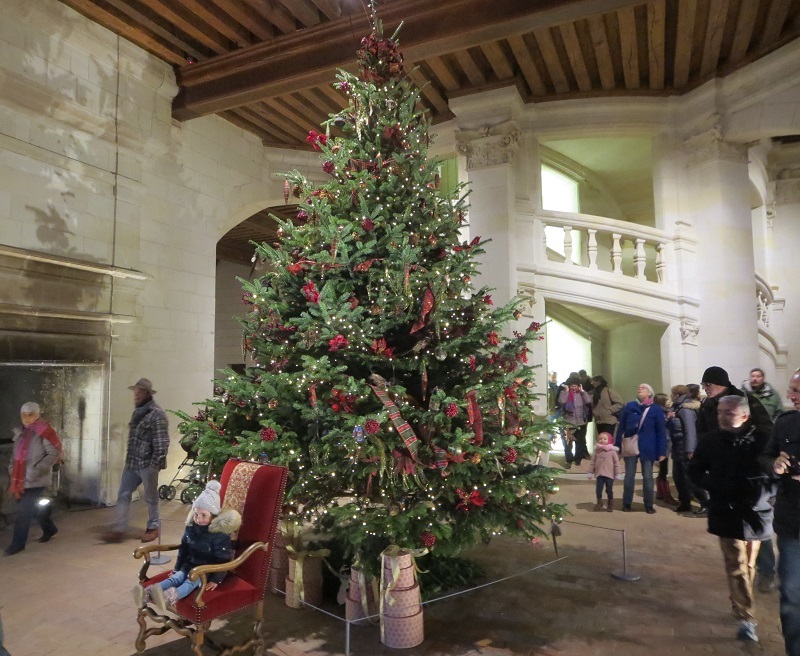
[{"x": 209, "y": 498}]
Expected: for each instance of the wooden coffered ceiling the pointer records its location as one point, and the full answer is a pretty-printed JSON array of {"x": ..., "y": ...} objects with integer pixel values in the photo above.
[{"x": 268, "y": 65}]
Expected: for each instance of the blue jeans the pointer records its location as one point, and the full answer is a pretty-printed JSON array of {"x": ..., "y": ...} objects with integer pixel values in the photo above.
[
  {"x": 789, "y": 574},
  {"x": 630, "y": 481},
  {"x": 131, "y": 479},
  {"x": 180, "y": 581},
  {"x": 28, "y": 508},
  {"x": 765, "y": 563}
]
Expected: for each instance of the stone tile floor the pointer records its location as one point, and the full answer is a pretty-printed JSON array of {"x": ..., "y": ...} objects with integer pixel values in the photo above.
[{"x": 71, "y": 596}]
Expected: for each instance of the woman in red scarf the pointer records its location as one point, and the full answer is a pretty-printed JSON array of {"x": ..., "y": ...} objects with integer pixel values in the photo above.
[{"x": 36, "y": 449}]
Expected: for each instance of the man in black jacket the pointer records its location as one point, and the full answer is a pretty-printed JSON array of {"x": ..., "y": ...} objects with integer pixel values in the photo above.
[
  {"x": 726, "y": 464},
  {"x": 781, "y": 458}
]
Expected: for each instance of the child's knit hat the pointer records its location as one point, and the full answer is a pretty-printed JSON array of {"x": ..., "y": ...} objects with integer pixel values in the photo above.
[{"x": 209, "y": 498}]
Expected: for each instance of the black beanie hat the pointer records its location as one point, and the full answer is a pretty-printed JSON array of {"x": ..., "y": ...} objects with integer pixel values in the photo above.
[{"x": 716, "y": 376}]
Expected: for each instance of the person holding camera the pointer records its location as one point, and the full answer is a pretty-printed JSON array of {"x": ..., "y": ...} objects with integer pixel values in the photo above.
[{"x": 780, "y": 458}]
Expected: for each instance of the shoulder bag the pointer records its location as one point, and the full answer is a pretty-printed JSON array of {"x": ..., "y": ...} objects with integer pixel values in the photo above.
[{"x": 630, "y": 445}]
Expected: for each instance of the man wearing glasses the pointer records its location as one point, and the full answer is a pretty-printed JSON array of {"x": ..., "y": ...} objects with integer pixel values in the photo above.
[
  {"x": 781, "y": 459},
  {"x": 717, "y": 384}
]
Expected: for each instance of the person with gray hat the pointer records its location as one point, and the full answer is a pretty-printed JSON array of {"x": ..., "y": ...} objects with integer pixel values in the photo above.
[{"x": 148, "y": 442}]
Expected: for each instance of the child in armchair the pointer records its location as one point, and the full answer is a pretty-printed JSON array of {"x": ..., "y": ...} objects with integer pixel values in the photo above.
[
  {"x": 605, "y": 467},
  {"x": 206, "y": 541}
]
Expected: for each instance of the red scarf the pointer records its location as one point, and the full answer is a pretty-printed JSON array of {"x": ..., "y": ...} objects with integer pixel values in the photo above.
[{"x": 41, "y": 428}]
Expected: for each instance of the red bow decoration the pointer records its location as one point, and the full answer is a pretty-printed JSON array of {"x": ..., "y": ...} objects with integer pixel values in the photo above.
[
  {"x": 428, "y": 301},
  {"x": 379, "y": 348},
  {"x": 474, "y": 417},
  {"x": 365, "y": 265},
  {"x": 341, "y": 402},
  {"x": 467, "y": 247},
  {"x": 473, "y": 498},
  {"x": 403, "y": 462}
]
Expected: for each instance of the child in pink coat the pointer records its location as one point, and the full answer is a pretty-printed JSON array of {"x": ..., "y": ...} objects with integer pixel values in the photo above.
[{"x": 605, "y": 467}]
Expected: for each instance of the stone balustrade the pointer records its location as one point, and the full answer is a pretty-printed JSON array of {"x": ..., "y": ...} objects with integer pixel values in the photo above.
[{"x": 601, "y": 244}]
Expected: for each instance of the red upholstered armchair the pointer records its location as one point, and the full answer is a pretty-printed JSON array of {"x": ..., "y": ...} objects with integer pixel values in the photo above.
[{"x": 256, "y": 492}]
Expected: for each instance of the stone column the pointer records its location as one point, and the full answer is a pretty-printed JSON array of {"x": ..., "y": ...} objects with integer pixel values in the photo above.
[
  {"x": 718, "y": 189},
  {"x": 490, "y": 152}
]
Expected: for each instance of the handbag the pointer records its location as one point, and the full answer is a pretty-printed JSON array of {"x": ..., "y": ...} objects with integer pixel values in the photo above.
[{"x": 630, "y": 445}]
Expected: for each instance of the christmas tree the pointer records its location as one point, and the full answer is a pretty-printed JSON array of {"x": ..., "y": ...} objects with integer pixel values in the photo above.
[{"x": 395, "y": 392}]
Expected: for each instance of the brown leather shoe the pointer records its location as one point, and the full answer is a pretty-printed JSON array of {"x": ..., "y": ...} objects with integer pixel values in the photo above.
[
  {"x": 149, "y": 535},
  {"x": 112, "y": 537}
]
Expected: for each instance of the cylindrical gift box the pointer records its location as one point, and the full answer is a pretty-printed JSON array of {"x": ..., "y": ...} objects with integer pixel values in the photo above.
[
  {"x": 405, "y": 576},
  {"x": 312, "y": 581},
  {"x": 276, "y": 580},
  {"x": 401, "y": 602},
  {"x": 280, "y": 559},
  {"x": 354, "y": 603},
  {"x": 402, "y": 632},
  {"x": 278, "y": 565}
]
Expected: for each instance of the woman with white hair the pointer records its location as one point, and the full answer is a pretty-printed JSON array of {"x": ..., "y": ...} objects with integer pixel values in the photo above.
[
  {"x": 36, "y": 449},
  {"x": 645, "y": 420}
]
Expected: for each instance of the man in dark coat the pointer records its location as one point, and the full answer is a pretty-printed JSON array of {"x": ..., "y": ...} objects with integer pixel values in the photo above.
[
  {"x": 717, "y": 384},
  {"x": 781, "y": 458},
  {"x": 726, "y": 464}
]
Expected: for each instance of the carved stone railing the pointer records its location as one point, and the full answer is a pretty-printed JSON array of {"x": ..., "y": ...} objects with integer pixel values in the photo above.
[
  {"x": 769, "y": 308},
  {"x": 618, "y": 247}
]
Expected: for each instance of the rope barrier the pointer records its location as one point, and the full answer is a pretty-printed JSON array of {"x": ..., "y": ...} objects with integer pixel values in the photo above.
[{"x": 424, "y": 603}]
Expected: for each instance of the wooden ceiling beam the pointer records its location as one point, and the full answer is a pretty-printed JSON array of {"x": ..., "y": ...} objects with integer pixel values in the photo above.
[
  {"x": 551, "y": 60},
  {"x": 715, "y": 29},
  {"x": 497, "y": 60},
  {"x": 124, "y": 7},
  {"x": 429, "y": 90},
  {"x": 309, "y": 57},
  {"x": 276, "y": 14},
  {"x": 119, "y": 26},
  {"x": 281, "y": 117},
  {"x": 302, "y": 105},
  {"x": 687, "y": 13},
  {"x": 218, "y": 20},
  {"x": 247, "y": 17},
  {"x": 471, "y": 70},
  {"x": 189, "y": 24},
  {"x": 306, "y": 12},
  {"x": 442, "y": 71},
  {"x": 778, "y": 11},
  {"x": 331, "y": 8},
  {"x": 332, "y": 94},
  {"x": 745, "y": 23},
  {"x": 315, "y": 100},
  {"x": 656, "y": 39},
  {"x": 527, "y": 65},
  {"x": 576, "y": 58},
  {"x": 630, "y": 50},
  {"x": 254, "y": 114},
  {"x": 602, "y": 52}
]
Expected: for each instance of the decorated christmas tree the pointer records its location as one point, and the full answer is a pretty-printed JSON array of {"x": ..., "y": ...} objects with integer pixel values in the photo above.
[{"x": 396, "y": 393}]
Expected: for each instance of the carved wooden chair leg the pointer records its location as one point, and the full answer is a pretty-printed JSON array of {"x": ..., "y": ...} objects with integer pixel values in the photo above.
[{"x": 197, "y": 637}]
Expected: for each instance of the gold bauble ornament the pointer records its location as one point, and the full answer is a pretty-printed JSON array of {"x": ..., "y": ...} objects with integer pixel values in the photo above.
[
  {"x": 273, "y": 403},
  {"x": 475, "y": 459}
]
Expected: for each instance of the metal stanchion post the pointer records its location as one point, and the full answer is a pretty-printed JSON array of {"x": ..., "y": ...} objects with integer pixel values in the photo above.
[
  {"x": 158, "y": 558},
  {"x": 347, "y": 638},
  {"x": 624, "y": 574}
]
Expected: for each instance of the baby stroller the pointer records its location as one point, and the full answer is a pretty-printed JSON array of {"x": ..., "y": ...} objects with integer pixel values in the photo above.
[{"x": 192, "y": 474}]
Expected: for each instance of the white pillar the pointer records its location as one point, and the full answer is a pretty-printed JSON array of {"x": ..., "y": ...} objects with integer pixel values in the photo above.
[{"x": 719, "y": 188}]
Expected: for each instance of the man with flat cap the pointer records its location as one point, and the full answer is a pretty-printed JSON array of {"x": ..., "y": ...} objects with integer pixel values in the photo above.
[{"x": 148, "y": 441}]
